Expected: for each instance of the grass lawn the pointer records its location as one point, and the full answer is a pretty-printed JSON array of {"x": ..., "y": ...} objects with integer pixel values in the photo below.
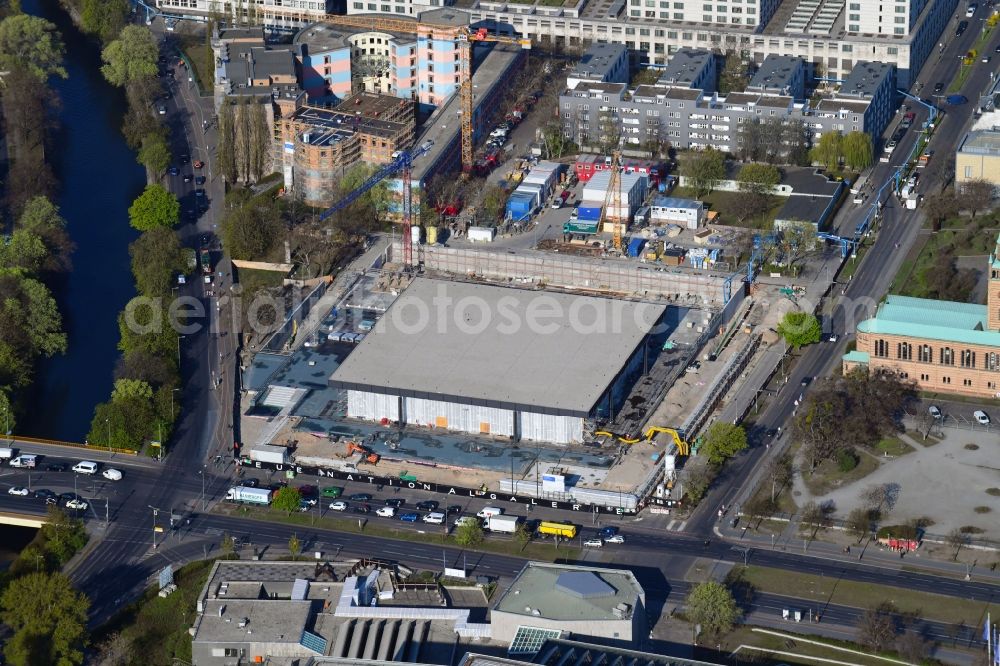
[
  {"x": 918, "y": 437},
  {"x": 199, "y": 54},
  {"x": 893, "y": 446},
  {"x": 798, "y": 652},
  {"x": 156, "y": 627},
  {"x": 852, "y": 263},
  {"x": 960, "y": 78},
  {"x": 820, "y": 590},
  {"x": 537, "y": 550},
  {"x": 724, "y": 203},
  {"x": 960, "y": 236},
  {"x": 827, "y": 476}
]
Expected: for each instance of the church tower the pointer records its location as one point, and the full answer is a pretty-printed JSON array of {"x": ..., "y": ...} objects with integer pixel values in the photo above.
[{"x": 993, "y": 293}]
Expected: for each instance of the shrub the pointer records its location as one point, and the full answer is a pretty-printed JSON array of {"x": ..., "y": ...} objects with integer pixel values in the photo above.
[{"x": 847, "y": 460}]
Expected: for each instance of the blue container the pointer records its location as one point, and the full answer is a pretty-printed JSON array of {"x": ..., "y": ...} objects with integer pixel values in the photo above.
[
  {"x": 635, "y": 246},
  {"x": 519, "y": 206},
  {"x": 590, "y": 213}
]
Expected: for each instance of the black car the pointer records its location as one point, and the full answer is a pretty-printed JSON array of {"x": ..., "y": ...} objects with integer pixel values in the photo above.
[
  {"x": 938, "y": 87},
  {"x": 360, "y": 497},
  {"x": 454, "y": 508},
  {"x": 251, "y": 483},
  {"x": 56, "y": 467},
  {"x": 362, "y": 508},
  {"x": 188, "y": 177},
  {"x": 199, "y": 180},
  {"x": 428, "y": 505},
  {"x": 185, "y": 159},
  {"x": 395, "y": 502},
  {"x": 46, "y": 494},
  {"x": 66, "y": 497}
]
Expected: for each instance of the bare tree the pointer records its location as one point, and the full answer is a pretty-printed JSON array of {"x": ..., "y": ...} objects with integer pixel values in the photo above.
[
  {"x": 877, "y": 626},
  {"x": 858, "y": 523},
  {"x": 976, "y": 195},
  {"x": 956, "y": 539},
  {"x": 913, "y": 647},
  {"x": 225, "y": 150},
  {"x": 260, "y": 142},
  {"x": 116, "y": 650},
  {"x": 816, "y": 517},
  {"x": 781, "y": 471},
  {"x": 939, "y": 207},
  {"x": 244, "y": 138}
]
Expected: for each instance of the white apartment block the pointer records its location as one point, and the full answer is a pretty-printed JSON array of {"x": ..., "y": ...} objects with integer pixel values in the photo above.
[
  {"x": 726, "y": 12},
  {"x": 403, "y": 7},
  {"x": 275, "y": 14}
]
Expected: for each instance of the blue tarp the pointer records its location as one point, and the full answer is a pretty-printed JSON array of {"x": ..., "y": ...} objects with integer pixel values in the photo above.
[
  {"x": 591, "y": 213},
  {"x": 635, "y": 246}
]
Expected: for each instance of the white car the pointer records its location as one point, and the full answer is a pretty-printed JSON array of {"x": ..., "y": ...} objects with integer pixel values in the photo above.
[
  {"x": 17, "y": 490},
  {"x": 112, "y": 474},
  {"x": 934, "y": 412},
  {"x": 981, "y": 416},
  {"x": 85, "y": 467},
  {"x": 593, "y": 543},
  {"x": 339, "y": 505},
  {"x": 76, "y": 504},
  {"x": 618, "y": 538},
  {"x": 386, "y": 511},
  {"x": 833, "y": 337}
]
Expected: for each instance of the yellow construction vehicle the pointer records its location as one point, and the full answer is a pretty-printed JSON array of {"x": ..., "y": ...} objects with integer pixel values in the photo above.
[{"x": 683, "y": 447}]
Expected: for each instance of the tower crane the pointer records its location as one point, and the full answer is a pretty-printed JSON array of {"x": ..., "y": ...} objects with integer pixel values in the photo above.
[
  {"x": 614, "y": 197},
  {"x": 403, "y": 163},
  {"x": 463, "y": 36}
]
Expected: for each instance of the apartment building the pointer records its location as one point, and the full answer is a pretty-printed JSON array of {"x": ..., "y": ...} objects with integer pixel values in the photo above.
[
  {"x": 689, "y": 68},
  {"x": 601, "y": 63},
  {"x": 879, "y": 17},
  {"x": 726, "y": 12},
  {"x": 272, "y": 14},
  {"x": 780, "y": 75},
  {"x": 943, "y": 346},
  {"x": 399, "y": 7},
  {"x": 696, "y": 118},
  {"x": 818, "y": 35}
]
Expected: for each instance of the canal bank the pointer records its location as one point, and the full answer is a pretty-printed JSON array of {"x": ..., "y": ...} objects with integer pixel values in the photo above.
[
  {"x": 13, "y": 539},
  {"x": 99, "y": 178}
]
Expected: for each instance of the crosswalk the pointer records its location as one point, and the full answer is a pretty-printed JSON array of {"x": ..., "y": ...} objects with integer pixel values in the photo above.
[{"x": 676, "y": 525}]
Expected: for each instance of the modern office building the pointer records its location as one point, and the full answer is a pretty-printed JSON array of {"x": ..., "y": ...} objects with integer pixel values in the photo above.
[
  {"x": 698, "y": 118},
  {"x": 943, "y": 346},
  {"x": 489, "y": 368},
  {"x": 601, "y": 62}
]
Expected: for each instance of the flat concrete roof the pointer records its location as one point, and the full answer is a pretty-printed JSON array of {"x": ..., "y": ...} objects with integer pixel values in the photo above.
[
  {"x": 685, "y": 66},
  {"x": 270, "y": 621},
  {"x": 598, "y": 59},
  {"x": 865, "y": 79},
  {"x": 592, "y": 594},
  {"x": 777, "y": 72},
  {"x": 553, "y": 353},
  {"x": 981, "y": 142}
]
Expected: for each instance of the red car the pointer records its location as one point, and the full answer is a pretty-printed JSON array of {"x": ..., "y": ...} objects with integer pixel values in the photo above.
[{"x": 198, "y": 164}]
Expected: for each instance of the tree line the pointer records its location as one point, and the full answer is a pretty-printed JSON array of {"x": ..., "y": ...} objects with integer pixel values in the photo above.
[{"x": 142, "y": 407}]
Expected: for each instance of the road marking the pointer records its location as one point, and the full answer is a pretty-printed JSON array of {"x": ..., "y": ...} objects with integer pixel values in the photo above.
[
  {"x": 680, "y": 528},
  {"x": 671, "y": 525}
]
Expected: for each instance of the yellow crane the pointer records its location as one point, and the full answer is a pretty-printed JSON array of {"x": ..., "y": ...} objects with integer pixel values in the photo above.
[
  {"x": 614, "y": 197},
  {"x": 463, "y": 36}
]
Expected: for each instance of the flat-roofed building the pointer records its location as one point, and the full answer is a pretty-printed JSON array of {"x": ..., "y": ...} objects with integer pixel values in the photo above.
[
  {"x": 483, "y": 362},
  {"x": 601, "y": 62},
  {"x": 978, "y": 157}
]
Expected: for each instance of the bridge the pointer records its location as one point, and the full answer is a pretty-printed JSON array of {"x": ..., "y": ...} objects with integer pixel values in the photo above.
[{"x": 21, "y": 519}]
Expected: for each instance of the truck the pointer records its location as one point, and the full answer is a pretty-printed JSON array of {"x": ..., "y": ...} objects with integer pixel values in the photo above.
[
  {"x": 7, "y": 454},
  {"x": 269, "y": 454},
  {"x": 502, "y": 524},
  {"x": 564, "y": 530},
  {"x": 205, "y": 259},
  {"x": 244, "y": 495},
  {"x": 24, "y": 460}
]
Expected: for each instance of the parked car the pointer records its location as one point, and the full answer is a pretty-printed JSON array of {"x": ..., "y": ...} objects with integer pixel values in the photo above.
[
  {"x": 18, "y": 490},
  {"x": 938, "y": 87},
  {"x": 199, "y": 180},
  {"x": 198, "y": 164},
  {"x": 934, "y": 412},
  {"x": 174, "y": 171},
  {"x": 360, "y": 497},
  {"x": 188, "y": 177},
  {"x": 428, "y": 505},
  {"x": 981, "y": 416},
  {"x": 608, "y": 532},
  {"x": 185, "y": 158},
  {"x": 454, "y": 508},
  {"x": 386, "y": 511},
  {"x": 339, "y": 505},
  {"x": 251, "y": 483}
]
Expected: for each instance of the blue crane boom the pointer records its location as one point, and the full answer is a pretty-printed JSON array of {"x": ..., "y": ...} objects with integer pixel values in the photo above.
[{"x": 403, "y": 163}]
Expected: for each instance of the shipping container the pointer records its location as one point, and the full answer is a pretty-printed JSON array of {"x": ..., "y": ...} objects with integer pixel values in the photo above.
[
  {"x": 635, "y": 246},
  {"x": 580, "y": 228},
  {"x": 502, "y": 524},
  {"x": 589, "y": 211},
  {"x": 520, "y": 206},
  {"x": 482, "y": 234},
  {"x": 270, "y": 454}
]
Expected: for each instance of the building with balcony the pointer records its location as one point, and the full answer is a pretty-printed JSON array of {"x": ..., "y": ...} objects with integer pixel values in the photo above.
[
  {"x": 698, "y": 118},
  {"x": 943, "y": 346}
]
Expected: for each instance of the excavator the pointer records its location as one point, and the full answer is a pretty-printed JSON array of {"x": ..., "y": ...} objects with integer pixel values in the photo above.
[
  {"x": 369, "y": 456},
  {"x": 683, "y": 448}
]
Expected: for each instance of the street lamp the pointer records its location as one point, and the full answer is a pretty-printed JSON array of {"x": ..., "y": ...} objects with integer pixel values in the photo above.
[
  {"x": 172, "y": 391},
  {"x": 179, "y": 338},
  {"x": 155, "y": 511},
  {"x": 202, "y": 473}
]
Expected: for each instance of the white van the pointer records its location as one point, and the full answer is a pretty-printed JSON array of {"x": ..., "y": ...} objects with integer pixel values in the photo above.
[
  {"x": 85, "y": 467},
  {"x": 26, "y": 461},
  {"x": 489, "y": 512},
  {"x": 434, "y": 518},
  {"x": 6, "y": 454}
]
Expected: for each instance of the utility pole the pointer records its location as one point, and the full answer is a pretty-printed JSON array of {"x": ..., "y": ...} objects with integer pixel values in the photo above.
[
  {"x": 107, "y": 512},
  {"x": 202, "y": 472},
  {"x": 155, "y": 512}
]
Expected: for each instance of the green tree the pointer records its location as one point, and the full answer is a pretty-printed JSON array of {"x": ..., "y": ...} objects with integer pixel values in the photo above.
[
  {"x": 155, "y": 207},
  {"x": 24, "y": 252},
  {"x": 703, "y": 169},
  {"x": 143, "y": 326},
  {"x": 41, "y": 218},
  {"x": 48, "y": 618},
  {"x": 469, "y": 534},
  {"x": 723, "y": 441},
  {"x": 15, "y": 368},
  {"x": 131, "y": 389},
  {"x": 32, "y": 43},
  {"x": 63, "y": 536},
  {"x": 758, "y": 179},
  {"x": 522, "y": 536},
  {"x": 735, "y": 74},
  {"x": 287, "y": 499},
  {"x": 132, "y": 56},
  {"x": 250, "y": 231},
  {"x": 857, "y": 149},
  {"x": 494, "y": 201},
  {"x": 294, "y": 546},
  {"x": 130, "y": 418},
  {"x": 800, "y": 329},
  {"x": 155, "y": 154},
  {"x": 8, "y": 422},
  {"x": 798, "y": 241},
  {"x": 829, "y": 151},
  {"x": 157, "y": 256},
  {"x": 104, "y": 18},
  {"x": 711, "y": 605},
  {"x": 30, "y": 308}
]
